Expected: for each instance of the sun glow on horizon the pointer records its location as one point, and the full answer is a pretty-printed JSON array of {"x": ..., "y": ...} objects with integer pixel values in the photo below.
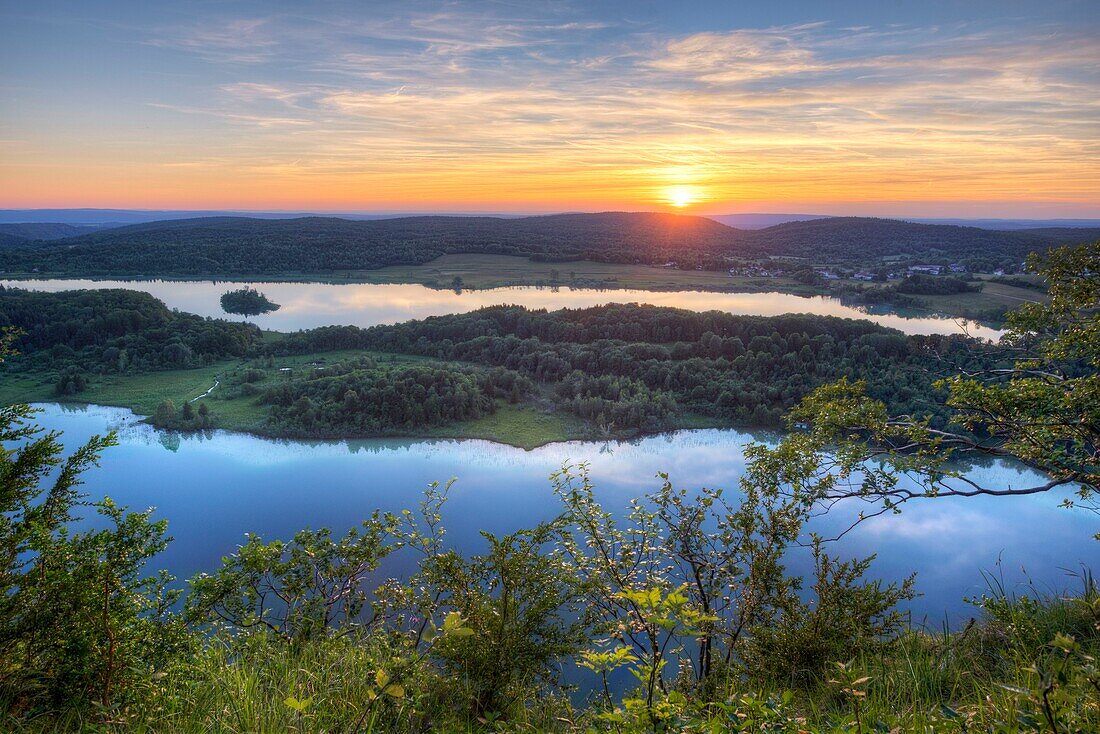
[
  {"x": 681, "y": 195},
  {"x": 527, "y": 108}
]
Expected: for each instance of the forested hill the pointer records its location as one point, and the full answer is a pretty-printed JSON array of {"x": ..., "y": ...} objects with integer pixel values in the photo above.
[
  {"x": 244, "y": 246},
  {"x": 26, "y": 232},
  {"x": 223, "y": 245},
  {"x": 624, "y": 368},
  {"x": 844, "y": 238}
]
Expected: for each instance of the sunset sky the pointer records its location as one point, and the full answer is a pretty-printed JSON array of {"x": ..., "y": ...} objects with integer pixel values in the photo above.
[{"x": 933, "y": 108}]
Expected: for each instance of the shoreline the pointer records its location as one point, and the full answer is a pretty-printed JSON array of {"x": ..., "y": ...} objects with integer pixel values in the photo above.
[
  {"x": 985, "y": 315},
  {"x": 451, "y": 432}
]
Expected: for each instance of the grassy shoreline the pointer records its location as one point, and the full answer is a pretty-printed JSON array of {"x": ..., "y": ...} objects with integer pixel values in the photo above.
[
  {"x": 486, "y": 272},
  {"x": 527, "y": 426}
]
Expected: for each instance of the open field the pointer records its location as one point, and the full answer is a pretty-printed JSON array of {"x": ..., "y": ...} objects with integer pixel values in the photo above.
[
  {"x": 494, "y": 271},
  {"x": 477, "y": 272},
  {"x": 497, "y": 271},
  {"x": 988, "y": 304}
]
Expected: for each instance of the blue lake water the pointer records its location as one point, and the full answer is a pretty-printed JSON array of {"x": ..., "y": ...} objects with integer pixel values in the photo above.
[
  {"x": 213, "y": 488},
  {"x": 308, "y": 305}
]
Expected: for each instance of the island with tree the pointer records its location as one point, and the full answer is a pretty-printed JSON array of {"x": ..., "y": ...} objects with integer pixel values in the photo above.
[{"x": 247, "y": 302}]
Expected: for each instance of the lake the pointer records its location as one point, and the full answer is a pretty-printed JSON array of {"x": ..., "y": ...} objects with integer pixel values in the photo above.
[
  {"x": 213, "y": 488},
  {"x": 309, "y": 305}
]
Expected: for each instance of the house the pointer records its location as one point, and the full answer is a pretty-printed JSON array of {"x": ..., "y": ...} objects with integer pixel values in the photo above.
[
  {"x": 926, "y": 269},
  {"x": 750, "y": 271}
]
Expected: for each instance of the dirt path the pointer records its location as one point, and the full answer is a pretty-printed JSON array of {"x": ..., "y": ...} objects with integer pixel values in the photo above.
[{"x": 217, "y": 381}]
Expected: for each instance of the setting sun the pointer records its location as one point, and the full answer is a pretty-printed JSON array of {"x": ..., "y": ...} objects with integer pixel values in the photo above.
[{"x": 681, "y": 196}]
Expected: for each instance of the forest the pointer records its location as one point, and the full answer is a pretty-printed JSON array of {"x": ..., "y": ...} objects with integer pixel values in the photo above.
[
  {"x": 361, "y": 398},
  {"x": 621, "y": 369},
  {"x": 747, "y": 370},
  {"x": 226, "y": 246},
  {"x": 115, "y": 331}
]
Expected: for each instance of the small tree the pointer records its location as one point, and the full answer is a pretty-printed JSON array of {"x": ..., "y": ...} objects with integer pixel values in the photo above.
[
  {"x": 78, "y": 618},
  {"x": 308, "y": 588},
  {"x": 1041, "y": 407},
  {"x": 165, "y": 414}
]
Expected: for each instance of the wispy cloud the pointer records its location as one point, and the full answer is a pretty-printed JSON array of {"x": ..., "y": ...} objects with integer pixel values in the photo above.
[{"x": 497, "y": 103}]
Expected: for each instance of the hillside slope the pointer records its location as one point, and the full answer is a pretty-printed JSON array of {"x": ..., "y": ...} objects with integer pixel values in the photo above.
[
  {"x": 249, "y": 246},
  {"x": 13, "y": 233}
]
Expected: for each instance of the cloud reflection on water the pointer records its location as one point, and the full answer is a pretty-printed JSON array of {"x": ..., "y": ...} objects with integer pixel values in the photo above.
[
  {"x": 213, "y": 489},
  {"x": 308, "y": 305}
]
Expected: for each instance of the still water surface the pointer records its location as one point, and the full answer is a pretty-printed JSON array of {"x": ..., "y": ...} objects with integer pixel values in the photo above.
[
  {"x": 213, "y": 488},
  {"x": 308, "y": 305}
]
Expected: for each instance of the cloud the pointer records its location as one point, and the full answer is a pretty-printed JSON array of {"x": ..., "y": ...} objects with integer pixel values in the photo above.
[
  {"x": 507, "y": 102},
  {"x": 242, "y": 40},
  {"x": 736, "y": 56}
]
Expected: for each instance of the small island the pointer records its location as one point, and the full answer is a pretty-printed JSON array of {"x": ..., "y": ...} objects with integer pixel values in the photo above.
[{"x": 247, "y": 302}]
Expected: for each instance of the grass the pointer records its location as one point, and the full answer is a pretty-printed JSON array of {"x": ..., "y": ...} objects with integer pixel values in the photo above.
[
  {"x": 973, "y": 680},
  {"x": 497, "y": 271},
  {"x": 527, "y": 426},
  {"x": 991, "y": 302}
]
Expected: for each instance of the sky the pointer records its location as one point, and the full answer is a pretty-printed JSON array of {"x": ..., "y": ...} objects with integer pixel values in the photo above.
[{"x": 891, "y": 107}]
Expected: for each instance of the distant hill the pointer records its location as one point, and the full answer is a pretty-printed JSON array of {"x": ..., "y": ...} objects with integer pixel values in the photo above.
[
  {"x": 1010, "y": 224},
  {"x": 855, "y": 238},
  {"x": 105, "y": 218},
  {"x": 16, "y": 233},
  {"x": 245, "y": 246},
  {"x": 225, "y": 246},
  {"x": 761, "y": 220}
]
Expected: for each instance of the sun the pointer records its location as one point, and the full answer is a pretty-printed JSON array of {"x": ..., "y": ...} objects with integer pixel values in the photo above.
[{"x": 681, "y": 196}]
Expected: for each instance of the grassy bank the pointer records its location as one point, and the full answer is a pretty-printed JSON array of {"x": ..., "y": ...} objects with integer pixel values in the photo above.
[
  {"x": 479, "y": 272},
  {"x": 497, "y": 271},
  {"x": 527, "y": 425}
]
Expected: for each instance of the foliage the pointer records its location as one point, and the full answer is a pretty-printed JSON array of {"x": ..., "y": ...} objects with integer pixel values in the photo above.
[
  {"x": 86, "y": 332},
  {"x": 1042, "y": 408},
  {"x": 930, "y": 285},
  {"x": 79, "y": 619},
  {"x": 845, "y": 617},
  {"x": 247, "y": 301},
  {"x": 652, "y": 362},
  {"x": 363, "y": 398},
  {"x": 221, "y": 246},
  {"x": 310, "y": 587},
  {"x": 304, "y": 635}
]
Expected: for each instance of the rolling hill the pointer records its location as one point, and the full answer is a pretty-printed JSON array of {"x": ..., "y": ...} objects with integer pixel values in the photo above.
[
  {"x": 24, "y": 232},
  {"x": 213, "y": 246}
]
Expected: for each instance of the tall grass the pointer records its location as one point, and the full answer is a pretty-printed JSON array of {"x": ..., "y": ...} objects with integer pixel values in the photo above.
[{"x": 925, "y": 680}]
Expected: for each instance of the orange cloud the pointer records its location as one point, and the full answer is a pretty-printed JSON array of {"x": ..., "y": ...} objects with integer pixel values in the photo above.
[{"x": 453, "y": 111}]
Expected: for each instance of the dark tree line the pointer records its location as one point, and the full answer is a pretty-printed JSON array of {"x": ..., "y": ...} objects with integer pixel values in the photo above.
[
  {"x": 622, "y": 368},
  {"x": 223, "y": 246},
  {"x": 930, "y": 285},
  {"x": 76, "y": 333},
  {"x": 739, "y": 368},
  {"x": 362, "y": 398}
]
